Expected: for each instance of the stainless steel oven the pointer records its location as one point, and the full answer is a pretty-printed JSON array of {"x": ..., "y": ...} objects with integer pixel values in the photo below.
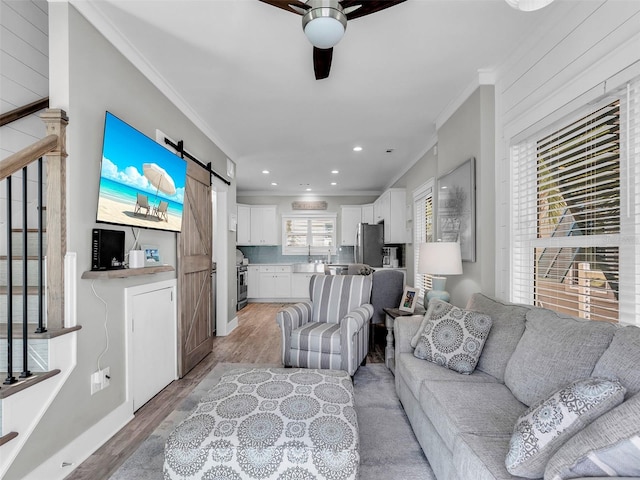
[{"x": 243, "y": 276}]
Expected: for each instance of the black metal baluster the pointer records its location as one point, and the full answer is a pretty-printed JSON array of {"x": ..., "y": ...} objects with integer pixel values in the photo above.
[
  {"x": 10, "y": 378},
  {"x": 41, "y": 328},
  {"x": 25, "y": 284}
]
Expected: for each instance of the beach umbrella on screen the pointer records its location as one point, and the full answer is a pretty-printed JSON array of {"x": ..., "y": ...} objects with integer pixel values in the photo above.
[{"x": 159, "y": 178}]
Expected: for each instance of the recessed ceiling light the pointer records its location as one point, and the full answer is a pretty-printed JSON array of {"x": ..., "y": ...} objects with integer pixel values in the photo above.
[
  {"x": 308, "y": 189},
  {"x": 334, "y": 171},
  {"x": 265, "y": 172},
  {"x": 357, "y": 149},
  {"x": 274, "y": 184},
  {"x": 334, "y": 183}
]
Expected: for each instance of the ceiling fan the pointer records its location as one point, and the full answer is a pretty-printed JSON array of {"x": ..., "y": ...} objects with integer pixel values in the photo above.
[{"x": 325, "y": 21}]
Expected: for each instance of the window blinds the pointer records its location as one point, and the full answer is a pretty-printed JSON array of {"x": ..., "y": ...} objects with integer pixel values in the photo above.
[
  {"x": 575, "y": 213},
  {"x": 423, "y": 232},
  {"x": 301, "y": 233}
]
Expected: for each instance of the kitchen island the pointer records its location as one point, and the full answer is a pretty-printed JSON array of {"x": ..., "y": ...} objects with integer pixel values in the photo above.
[{"x": 286, "y": 282}]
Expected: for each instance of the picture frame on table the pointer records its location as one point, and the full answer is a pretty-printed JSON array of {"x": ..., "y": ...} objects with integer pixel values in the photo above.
[
  {"x": 151, "y": 255},
  {"x": 457, "y": 208},
  {"x": 409, "y": 298}
]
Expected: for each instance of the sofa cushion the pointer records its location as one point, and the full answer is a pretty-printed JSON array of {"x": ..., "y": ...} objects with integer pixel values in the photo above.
[
  {"x": 480, "y": 457},
  {"x": 453, "y": 337},
  {"x": 621, "y": 359},
  {"x": 506, "y": 331},
  {"x": 553, "y": 352},
  {"x": 414, "y": 371},
  {"x": 544, "y": 427},
  {"x": 609, "y": 446},
  {"x": 469, "y": 407}
]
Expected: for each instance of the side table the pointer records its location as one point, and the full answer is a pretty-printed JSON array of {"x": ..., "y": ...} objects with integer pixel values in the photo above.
[{"x": 390, "y": 350}]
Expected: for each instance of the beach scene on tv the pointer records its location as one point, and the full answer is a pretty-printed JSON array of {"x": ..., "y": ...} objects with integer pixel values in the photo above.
[{"x": 141, "y": 183}]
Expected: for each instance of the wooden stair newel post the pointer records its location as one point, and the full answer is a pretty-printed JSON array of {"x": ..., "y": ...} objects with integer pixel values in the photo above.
[{"x": 56, "y": 121}]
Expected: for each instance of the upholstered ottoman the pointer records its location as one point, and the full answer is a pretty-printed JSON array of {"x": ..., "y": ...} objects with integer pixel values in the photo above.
[{"x": 269, "y": 423}]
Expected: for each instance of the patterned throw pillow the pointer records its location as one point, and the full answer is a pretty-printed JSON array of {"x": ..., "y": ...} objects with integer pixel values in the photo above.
[
  {"x": 453, "y": 337},
  {"x": 546, "y": 425}
]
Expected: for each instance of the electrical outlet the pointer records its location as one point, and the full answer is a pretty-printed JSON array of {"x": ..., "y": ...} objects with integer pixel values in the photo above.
[
  {"x": 106, "y": 377},
  {"x": 100, "y": 380}
]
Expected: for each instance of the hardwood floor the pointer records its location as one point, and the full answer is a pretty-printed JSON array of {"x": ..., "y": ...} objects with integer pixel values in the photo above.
[{"x": 255, "y": 340}]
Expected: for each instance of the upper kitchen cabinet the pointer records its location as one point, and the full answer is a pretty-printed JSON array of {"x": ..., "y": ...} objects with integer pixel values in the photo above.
[
  {"x": 350, "y": 217},
  {"x": 257, "y": 225},
  {"x": 390, "y": 208},
  {"x": 243, "y": 230},
  {"x": 367, "y": 213}
]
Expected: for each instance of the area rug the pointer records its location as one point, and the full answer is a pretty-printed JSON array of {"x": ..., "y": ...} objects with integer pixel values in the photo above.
[{"x": 388, "y": 448}]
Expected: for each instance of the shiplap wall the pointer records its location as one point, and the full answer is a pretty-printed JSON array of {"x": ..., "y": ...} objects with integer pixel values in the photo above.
[
  {"x": 24, "y": 78},
  {"x": 592, "y": 48}
]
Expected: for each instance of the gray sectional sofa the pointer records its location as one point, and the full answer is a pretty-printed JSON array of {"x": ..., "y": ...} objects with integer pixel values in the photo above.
[{"x": 465, "y": 423}]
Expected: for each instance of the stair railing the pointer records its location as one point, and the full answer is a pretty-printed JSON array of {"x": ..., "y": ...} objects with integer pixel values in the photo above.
[{"x": 53, "y": 147}]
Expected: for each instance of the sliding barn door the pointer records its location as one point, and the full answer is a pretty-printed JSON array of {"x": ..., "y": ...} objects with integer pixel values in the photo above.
[{"x": 194, "y": 271}]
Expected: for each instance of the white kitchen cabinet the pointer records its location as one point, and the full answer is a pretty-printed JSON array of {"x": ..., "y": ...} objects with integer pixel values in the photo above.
[
  {"x": 367, "y": 214},
  {"x": 257, "y": 225},
  {"x": 274, "y": 281},
  {"x": 243, "y": 230},
  {"x": 253, "y": 274},
  {"x": 390, "y": 208},
  {"x": 300, "y": 285},
  {"x": 350, "y": 217},
  {"x": 264, "y": 230}
]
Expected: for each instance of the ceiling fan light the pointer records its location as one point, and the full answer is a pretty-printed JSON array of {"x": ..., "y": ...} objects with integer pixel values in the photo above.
[
  {"x": 325, "y": 24},
  {"x": 528, "y": 5}
]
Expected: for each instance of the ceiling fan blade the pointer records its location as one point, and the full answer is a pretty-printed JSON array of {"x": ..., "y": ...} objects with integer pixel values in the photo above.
[
  {"x": 367, "y": 6},
  {"x": 322, "y": 62},
  {"x": 294, "y": 6}
]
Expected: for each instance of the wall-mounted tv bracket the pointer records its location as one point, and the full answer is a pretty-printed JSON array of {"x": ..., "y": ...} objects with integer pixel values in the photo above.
[{"x": 179, "y": 147}]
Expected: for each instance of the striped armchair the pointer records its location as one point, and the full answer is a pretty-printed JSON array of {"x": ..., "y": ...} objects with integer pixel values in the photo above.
[{"x": 332, "y": 329}]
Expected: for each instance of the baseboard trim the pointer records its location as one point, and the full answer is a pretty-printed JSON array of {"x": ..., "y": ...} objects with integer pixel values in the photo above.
[{"x": 83, "y": 446}]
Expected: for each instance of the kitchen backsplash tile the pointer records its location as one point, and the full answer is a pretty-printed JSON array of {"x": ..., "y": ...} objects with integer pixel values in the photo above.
[{"x": 273, "y": 254}]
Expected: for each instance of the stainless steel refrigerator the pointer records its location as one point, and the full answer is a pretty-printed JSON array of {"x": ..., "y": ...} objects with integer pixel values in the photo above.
[{"x": 369, "y": 243}]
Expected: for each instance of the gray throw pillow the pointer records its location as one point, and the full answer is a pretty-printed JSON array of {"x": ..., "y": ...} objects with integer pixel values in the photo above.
[
  {"x": 453, "y": 337},
  {"x": 608, "y": 447},
  {"x": 546, "y": 426}
]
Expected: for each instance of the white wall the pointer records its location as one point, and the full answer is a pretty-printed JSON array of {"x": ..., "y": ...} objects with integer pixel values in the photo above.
[{"x": 99, "y": 79}]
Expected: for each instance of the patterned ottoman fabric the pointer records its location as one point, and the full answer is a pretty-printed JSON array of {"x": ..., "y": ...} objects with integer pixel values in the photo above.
[{"x": 269, "y": 423}]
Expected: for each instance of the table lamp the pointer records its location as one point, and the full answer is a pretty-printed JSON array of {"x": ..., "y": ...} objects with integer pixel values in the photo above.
[{"x": 439, "y": 259}]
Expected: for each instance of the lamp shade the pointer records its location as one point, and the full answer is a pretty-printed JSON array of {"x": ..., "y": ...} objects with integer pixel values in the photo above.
[
  {"x": 440, "y": 258},
  {"x": 528, "y": 5}
]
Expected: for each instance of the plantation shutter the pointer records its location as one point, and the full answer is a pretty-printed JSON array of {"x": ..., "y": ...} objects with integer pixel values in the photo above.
[
  {"x": 308, "y": 233},
  {"x": 423, "y": 232},
  {"x": 575, "y": 213}
]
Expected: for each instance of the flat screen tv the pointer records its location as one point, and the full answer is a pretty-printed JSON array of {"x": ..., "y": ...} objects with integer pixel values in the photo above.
[{"x": 141, "y": 182}]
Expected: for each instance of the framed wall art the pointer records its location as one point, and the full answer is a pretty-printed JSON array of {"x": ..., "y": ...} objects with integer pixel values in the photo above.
[{"x": 457, "y": 209}]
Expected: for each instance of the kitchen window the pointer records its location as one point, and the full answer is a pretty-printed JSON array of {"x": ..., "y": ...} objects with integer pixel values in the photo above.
[
  {"x": 308, "y": 233},
  {"x": 576, "y": 212}
]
